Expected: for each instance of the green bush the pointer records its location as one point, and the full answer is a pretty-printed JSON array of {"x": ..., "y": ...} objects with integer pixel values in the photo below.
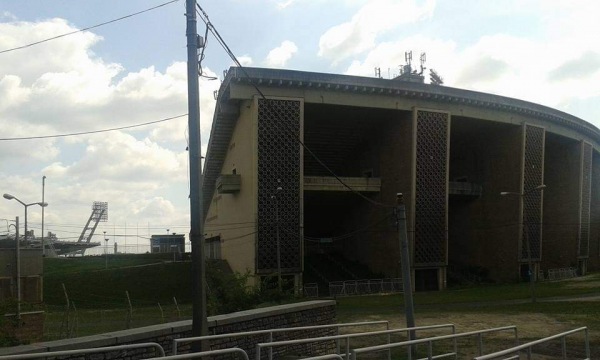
[{"x": 228, "y": 292}]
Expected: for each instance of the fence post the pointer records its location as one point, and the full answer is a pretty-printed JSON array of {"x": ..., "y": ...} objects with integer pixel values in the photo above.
[
  {"x": 129, "y": 311},
  {"x": 75, "y": 323},
  {"x": 177, "y": 307},
  {"x": 162, "y": 315},
  {"x": 65, "y": 323}
]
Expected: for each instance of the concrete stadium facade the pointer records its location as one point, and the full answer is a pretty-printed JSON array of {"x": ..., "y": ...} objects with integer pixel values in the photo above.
[{"x": 270, "y": 194}]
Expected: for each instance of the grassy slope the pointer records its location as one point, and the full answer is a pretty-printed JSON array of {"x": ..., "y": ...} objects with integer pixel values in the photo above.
[
  {"x": 148, "y": 279},
  {"x": 91, "y": 286}
]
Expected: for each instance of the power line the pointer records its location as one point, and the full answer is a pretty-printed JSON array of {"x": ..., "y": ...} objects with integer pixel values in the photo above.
[
  {"x": 204, "y": 17},
  {"x": 93, "y": 131},
  {"x": 87, "y": 28}
]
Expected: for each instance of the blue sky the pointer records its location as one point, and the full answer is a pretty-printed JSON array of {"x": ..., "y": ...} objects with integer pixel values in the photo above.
[{"x": 133, "y": 71}]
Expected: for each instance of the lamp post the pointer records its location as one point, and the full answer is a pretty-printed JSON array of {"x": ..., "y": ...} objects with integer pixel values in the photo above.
[
  {"x": 526, "y": 237},
  {"x": 17, "y": 248},
  {"x": 43, "y": 191},
  {"x": 105, "y": 252},
  {"x": 17, "y": 270},
  {"x": 41, "y": 203},
  {"x": 279, "y": 282}
]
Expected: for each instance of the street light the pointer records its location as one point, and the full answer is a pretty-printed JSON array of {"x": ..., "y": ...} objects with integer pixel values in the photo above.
[
  {"x": 18, "y": 254},
  {"x": 17, "y": 270},
  {"x": 43, "y": 190},
  {"x": 527, "y": 243},
  {"x": 41, "y": 203},
  {"x": 279, "y": 282},
  {"x": 105, "y": 251}
]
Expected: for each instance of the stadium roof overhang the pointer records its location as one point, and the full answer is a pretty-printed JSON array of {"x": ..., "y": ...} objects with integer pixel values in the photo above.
[{"x": 246, "y": 83}]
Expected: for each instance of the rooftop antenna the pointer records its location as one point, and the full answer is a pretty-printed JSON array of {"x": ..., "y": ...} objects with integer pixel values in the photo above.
[
  {"x": 378, "y": 72},
  {"x": 423, "y": 58},
  {"x": 435, "y": 78}
]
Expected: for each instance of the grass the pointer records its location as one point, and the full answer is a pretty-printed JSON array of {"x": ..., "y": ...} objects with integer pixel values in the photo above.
[
  {"x": 147, "y": 279},
  {"x": 99, "y": 296}
]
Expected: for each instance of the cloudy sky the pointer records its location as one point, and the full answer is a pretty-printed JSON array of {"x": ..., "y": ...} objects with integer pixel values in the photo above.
[{"x": 133, "y": 71}]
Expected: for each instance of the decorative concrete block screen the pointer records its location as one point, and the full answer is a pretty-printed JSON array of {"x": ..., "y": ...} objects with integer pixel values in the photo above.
[
  {"x": 533, "y": 176},
  {"x": 307, "y": 313},
  {"x": 279, "y": 167},
  {"x": 431, "y": 188}
]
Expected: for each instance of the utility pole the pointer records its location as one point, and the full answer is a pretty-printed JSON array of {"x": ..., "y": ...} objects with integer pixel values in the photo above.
[
  {"x": 194, "y": 42},
  {"x": 405, "y": 262},
  {"x": 525, "y": 235}
]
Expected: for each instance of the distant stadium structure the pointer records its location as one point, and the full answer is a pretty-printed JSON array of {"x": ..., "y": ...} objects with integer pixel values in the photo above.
[
  {"x": 301, "y": 162},
  {"x": 169, "y": 243}
]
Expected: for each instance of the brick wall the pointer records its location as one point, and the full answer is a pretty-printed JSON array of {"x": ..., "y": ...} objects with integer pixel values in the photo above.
[{"x": 319, "y": 312}]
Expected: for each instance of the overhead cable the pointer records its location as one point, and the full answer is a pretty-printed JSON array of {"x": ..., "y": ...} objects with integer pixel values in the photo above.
[
  {"x": 93, "y": 131},
  {"x": 85, "y": 29},
  {"x": 213, "y": 30}
]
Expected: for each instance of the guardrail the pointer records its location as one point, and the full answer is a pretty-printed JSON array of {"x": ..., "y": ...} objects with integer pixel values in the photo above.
[
  {"x": 528, "y": 346},
  {"x": 207, "y": 353},
  {"x": 562, "y": 273},
  {"x": 43, "y": 355},
  {"x": 431, "y": 340},
  {"x": 270, "y": 332},
  {"x": 366, "y": 286},
  {"x": 311, "y": 290},
  {"x": 347, "y": 338}
]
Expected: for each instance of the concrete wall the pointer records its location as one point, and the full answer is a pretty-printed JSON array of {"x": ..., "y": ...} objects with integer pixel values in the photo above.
[
  {"x": 292, "y": 315},
  {"x": 233, "y": 216},
  {"x": 31, "y": 274},
  {"x": 484, "y": 231},
  {"x": 379, "y": 247},
  {"x": 561, "y": 202},
  {"x": 594, "y": 263}
]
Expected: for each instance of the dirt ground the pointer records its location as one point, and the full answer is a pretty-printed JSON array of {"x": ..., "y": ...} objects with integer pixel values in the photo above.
[{"x": 529, "y": 326}]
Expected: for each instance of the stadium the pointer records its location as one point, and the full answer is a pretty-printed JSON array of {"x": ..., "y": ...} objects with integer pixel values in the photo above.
[{"x": 305, "y": 165}]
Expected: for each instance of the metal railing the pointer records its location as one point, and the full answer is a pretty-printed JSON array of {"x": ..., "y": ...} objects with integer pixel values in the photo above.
[
  {"x": 347, "y": 338},
  {"x": 239, "y": 351},
  {"x": 431, "y": 340},
  {"x": 562, "y": 273},
  {"x": 270, "y": 332},
  {"x": 325, "y": 357},
  {"x": 366, "y": 286},
  {"x": 528, "y": 346},
  {"x": 311, "y": 290},
  {"x": 107, "y": 349}
]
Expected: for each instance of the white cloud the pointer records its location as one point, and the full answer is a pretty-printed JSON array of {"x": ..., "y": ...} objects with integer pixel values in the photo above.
[
  {"x": 7, "y": 15},
  {"x": 67, "y": 54},
  {"x": 558, "y": 65},
  {"x": 141, "y": 172},
  {"x": 279, "y": 56},
  {"x": 284, "y": 4},
  {"x": 373, "y": 19},
  {"x": 245, "y": 60}
]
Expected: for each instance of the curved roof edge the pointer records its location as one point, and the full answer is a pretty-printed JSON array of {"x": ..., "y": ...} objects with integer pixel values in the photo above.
[
  {"x": 378, "y": 86},
  {"x": 225, "y": 114}
]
